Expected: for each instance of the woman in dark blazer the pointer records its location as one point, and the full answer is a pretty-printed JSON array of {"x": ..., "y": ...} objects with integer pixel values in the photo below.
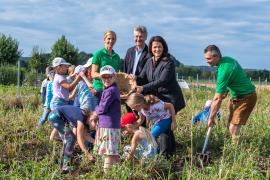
[{"x": 159, "y": 73}]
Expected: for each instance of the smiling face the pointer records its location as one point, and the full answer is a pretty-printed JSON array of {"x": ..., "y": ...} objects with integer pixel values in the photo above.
[
  {"x": 62, "y": 69},
  {"x": 109, "y": 41},
  {"x": 157, "y": 49},
  {"x": 139, "y": 39},
  {"x": 211, "y": 59},
  {"x": 107, "y": 79}
]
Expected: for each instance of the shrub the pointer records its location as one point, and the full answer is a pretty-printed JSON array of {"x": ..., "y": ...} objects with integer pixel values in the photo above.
[
  {"x": 9, "y": 74},
  {"x": 34, "y": 79}
]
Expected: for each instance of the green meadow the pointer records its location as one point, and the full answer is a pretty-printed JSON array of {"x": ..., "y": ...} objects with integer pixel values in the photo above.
[{"x": 26, "y": 153}]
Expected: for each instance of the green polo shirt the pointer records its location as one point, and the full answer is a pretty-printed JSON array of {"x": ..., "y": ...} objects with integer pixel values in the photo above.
[
  {"x": 231, "y": 76},
  {"x": 102, "y": 58}
]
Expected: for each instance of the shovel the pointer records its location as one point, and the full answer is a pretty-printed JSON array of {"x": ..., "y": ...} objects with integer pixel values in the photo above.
[
  {"x": 206, "y": 139},
  {"x": 204, "y": 157}
]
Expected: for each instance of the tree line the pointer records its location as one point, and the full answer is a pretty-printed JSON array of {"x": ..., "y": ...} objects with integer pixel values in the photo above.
[{"x": 10, "y": 54}]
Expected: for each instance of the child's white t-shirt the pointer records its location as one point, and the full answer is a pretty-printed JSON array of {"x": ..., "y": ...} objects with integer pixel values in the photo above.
[
  {"x": 58, "y": 90},
  {"x": 156, "y": 112}
]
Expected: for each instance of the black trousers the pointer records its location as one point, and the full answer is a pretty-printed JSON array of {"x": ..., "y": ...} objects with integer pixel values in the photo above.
[{"x": 167, "y": 143}]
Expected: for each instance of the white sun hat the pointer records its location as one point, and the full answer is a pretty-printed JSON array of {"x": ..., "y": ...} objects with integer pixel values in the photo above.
[
  {"x": 208, "y": 103},
  {"x": 88, "y": 63},
  {"x": 107, "y": 70},
  {"x": 79, "y": 69},
  {"x": 59, "y": 61}
]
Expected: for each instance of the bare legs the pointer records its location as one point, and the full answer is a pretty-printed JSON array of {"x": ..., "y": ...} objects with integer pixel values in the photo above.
[
  {"x": 109, "y": 161},
  {"x": 235, "y": 132}
]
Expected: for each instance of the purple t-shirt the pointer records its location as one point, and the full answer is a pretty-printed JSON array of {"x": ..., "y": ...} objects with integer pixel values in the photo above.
[
  {"x": 58, "y": 90},
  {"x": 109, "y": 108}
]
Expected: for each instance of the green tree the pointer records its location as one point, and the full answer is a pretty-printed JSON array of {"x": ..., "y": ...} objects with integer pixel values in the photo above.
[
  {"x": 37, "y": 61},
  {"x": 83, "y": 57},
  {"x": 9, "y": 50},
  {"x": 63, "y": 48}
]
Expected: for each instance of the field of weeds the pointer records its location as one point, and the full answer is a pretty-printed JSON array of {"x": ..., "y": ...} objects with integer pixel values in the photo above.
[{"x": 26, "y": 153}]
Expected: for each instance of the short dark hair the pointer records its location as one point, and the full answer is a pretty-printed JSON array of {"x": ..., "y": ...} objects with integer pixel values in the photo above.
[
  {"x": 162, "y": 41},
  {"x": 214, "y": 50}
]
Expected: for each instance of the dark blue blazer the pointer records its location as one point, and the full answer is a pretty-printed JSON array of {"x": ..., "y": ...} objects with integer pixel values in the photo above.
[
  {"x": 160, "y": 80},
  {"x": 130, "y": 57}
]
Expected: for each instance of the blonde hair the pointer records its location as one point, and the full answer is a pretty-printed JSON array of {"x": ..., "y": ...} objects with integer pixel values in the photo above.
[
  {"x": 151, "y": 99},
  {"x": 107, "y": 33},
  {"x": 138, "y": 99},
  {"x": 93, "y": 117},
  {"x": 149, "y": 136}
]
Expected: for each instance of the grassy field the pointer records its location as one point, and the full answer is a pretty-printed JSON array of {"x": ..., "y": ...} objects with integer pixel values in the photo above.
[{"x": 26, "y": 153}]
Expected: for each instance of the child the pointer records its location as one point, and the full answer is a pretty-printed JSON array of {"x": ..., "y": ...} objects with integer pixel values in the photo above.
[
  {"x": 143, "y": 144},
  {"x": 63, "y": 119},
  {"x": 87, "y": 77},
  {"x": 203, "y": 116},
  {"x": 109, "y": 113},
  {"x": 44, "y": 84},
  {"x": 71, "y": 74},
  {"x": 70, "y": 78},
  {"x": 84, "y": 95},
  {"x": 160, "y": 113},
  {"x": 61, "y": 87},
  {"x": 74, "y": 118},
  {"x": 49, "y": 95}
]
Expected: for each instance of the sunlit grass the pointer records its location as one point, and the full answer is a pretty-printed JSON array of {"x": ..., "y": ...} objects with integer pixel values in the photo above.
[{"x": 25, "y": 151}]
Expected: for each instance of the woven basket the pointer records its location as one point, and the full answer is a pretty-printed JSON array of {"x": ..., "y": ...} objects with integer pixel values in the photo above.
[{"x": 125, "y": 85}]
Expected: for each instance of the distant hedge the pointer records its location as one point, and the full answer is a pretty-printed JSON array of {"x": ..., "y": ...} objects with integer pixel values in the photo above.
[{"x": 9, "y": 74}]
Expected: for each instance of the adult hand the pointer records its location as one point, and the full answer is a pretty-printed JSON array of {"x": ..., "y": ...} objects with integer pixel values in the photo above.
[
  {"x": 132, "y": 77},
  {"x": 211, "y": 122},
  {"x": 139, "y": 89}
]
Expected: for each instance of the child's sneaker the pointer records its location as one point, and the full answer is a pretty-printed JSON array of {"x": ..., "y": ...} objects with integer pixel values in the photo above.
[{"x": 65, "y": 169}]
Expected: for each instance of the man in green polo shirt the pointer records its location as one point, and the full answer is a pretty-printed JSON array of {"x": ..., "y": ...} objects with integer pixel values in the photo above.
[{"x": 233, "y": 79}]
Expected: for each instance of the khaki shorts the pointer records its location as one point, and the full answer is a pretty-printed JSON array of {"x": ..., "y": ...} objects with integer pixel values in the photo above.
[{"x": 241, "y": 108}]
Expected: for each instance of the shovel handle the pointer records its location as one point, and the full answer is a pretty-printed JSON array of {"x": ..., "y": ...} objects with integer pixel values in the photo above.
[{"x": 206, "y": 139}]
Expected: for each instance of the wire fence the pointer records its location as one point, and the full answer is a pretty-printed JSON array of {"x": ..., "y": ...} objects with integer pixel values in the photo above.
[{"x": 186, "y": 82}]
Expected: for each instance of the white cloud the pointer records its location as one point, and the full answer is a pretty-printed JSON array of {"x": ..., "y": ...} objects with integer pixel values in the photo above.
[{"x": 237, "y": 26}]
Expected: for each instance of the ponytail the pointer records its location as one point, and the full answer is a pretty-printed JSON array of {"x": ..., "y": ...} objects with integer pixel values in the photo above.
[{"x": 151, "y": 99}]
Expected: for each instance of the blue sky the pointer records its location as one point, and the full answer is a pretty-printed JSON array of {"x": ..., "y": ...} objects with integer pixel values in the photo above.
[{"x": 240, "y": 28}]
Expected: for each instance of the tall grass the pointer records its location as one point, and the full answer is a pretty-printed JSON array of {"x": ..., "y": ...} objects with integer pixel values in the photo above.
[{"x": 25, "y": 151}]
